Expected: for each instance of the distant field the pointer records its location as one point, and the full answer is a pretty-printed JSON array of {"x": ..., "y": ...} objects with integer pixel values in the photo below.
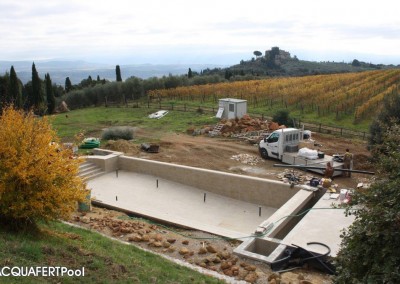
[{"x": 93, "y": 120}]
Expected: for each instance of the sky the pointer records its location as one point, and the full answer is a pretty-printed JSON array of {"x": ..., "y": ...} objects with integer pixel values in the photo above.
[{"x": 207, "y": 31}]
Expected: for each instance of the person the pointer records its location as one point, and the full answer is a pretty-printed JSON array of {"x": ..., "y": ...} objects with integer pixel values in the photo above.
[
  {"x": 347, "y": 163},
  {"x": 329, "y": 171}
]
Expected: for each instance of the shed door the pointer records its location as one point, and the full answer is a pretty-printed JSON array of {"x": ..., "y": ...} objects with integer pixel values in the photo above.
[{"x": 231, "y": 112}]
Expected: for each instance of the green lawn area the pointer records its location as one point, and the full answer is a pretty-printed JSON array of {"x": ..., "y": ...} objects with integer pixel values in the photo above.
[
  {"x": 93, "y": 120},
  {"x": 104, "y": 260},
  {"x": 344, "y": 120}
]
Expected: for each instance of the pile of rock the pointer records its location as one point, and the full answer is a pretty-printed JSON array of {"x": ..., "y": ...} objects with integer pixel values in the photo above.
[
  {"x": 203, "y": 254},
  {"x": 247, "y": 159},
  {"x": 246, "y": 124},
  {"x": 225, "y": 262},
  {"x": 236, "y": 126}
]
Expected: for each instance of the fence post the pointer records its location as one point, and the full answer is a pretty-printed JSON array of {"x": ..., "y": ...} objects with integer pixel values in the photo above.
[
  {"x": 364, "y": 136},
  {"x": 341, "y": 131},
  {"x": 184, "y": 107},
  {"x": 319, "y": 128},
  {"x": 148, "y": 103}
]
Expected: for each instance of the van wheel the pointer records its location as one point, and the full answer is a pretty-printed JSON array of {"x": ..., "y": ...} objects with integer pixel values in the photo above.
[{"x": 264, "y": 153}]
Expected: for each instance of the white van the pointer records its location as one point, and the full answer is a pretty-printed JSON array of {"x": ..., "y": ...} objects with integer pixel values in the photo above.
[
  {"x": 283, "y": 144},
  {"x": 280, "y": 141}
]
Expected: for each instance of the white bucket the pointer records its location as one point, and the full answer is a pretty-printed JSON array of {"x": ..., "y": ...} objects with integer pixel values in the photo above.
[{"x": 343, "y": 193}]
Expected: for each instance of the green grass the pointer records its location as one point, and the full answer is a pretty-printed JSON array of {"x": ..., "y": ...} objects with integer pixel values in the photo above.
[
  {"x": 93, "y": 120},
  {"x": 105, "y": 260},
  {"x": 344, "y": 121}
]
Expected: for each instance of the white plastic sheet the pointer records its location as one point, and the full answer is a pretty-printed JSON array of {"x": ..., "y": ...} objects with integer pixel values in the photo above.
[{"x": 308, "y": 153}]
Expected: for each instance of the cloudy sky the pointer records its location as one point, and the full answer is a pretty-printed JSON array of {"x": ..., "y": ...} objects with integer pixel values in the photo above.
[{"x": 207, "y": 31}]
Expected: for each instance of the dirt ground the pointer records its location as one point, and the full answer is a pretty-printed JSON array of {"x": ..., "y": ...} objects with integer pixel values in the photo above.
[
  {"x": 200, "y": 248},
  {"x": 219, "y": 153}
]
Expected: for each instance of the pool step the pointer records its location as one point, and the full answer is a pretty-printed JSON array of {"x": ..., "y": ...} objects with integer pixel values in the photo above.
[{"x": 88, "y": 171}]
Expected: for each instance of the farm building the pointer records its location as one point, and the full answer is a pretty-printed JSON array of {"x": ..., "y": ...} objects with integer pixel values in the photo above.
[{"x": 231, "y": 108}]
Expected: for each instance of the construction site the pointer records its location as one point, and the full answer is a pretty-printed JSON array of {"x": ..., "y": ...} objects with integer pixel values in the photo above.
[{"x": 221, "y": 186}]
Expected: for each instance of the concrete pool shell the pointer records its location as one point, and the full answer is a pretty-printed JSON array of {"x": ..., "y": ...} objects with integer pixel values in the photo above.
[{"x": 224, "y": 204}]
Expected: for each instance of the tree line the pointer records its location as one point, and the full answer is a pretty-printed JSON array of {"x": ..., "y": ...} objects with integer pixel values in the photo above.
[
  {"x": 42, "y": 96},
  {"x": 37, "y": 94}
]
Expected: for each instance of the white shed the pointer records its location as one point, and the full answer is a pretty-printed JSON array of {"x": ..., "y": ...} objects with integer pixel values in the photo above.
[{"x": 231, "y": 108}]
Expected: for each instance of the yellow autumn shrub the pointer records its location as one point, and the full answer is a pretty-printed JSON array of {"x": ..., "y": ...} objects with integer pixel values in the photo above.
[{"x": 38, "y": 178}]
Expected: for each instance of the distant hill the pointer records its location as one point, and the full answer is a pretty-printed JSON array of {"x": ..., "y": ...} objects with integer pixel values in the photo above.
[
  {"x": 272, "y": 63},
  {"x": 79, "y": 70},
  {"x": 277, "y": 62}
]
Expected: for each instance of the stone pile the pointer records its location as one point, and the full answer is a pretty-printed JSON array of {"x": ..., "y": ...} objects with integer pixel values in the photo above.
[
  {"x": 247, "y": 159},
  {"x": 203, "y": 254},
  {"x": 237, "y": 126},
  {"x": 246, "y": 124}
]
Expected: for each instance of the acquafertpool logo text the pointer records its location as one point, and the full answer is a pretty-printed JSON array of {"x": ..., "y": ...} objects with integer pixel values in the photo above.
[{"x": 40, "y": 271}]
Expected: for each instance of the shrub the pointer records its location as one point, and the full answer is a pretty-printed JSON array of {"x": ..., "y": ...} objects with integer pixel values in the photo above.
[
  {"x": 282, "y": 117},
  {"x": 118, "y": 132},
  {"x": 370, "y": 251},
  {"x": 38, "y": 178}
]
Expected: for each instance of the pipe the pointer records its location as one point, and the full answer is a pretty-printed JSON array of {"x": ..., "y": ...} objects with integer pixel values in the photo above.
[
  {"x": 322, "y": 168},
  {"x": 317, "y": 257}
]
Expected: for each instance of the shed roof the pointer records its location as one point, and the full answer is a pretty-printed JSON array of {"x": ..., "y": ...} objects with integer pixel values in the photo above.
[{"x": 233, "y": 100}]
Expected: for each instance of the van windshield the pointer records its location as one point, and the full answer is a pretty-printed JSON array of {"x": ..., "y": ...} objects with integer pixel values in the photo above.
[{"x": 274, "y": 137}]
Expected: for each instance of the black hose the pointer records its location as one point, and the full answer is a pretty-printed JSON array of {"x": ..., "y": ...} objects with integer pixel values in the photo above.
[
  {"x": 284, "y": 259},
  {"x": 317, "y": 257}
]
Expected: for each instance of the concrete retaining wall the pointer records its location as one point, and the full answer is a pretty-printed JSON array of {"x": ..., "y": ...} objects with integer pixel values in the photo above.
[
  {"x": 249, "y": 189},
  {"x": 105, "y": 159}
]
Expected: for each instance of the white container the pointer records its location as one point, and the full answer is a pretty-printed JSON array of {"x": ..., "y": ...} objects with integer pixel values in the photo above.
[{"x": 343, "y": 193}]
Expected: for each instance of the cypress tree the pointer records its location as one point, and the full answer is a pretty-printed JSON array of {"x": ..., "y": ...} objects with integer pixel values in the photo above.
[
  {"x": 51, "y": 101},
  {"x": 68, "y": 85},
  {"x": 190, "y": 73},
  {"x": 37, "y": 97},
  {"x": 118, "y": 73},
  {"x": 4, "y": 89},
  {"x": 15, "y": 93}
]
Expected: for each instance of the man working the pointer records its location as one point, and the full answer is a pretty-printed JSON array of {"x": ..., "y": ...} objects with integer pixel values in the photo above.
[
  {"x": 329, "y": 171},
  {"x": 347, "y": 163}
]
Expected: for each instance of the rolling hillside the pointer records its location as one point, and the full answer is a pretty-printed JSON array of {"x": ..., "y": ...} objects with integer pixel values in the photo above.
[{"x": 350, "y": 94}]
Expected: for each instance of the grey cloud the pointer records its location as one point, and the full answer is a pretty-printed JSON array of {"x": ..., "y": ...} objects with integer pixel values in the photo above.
[{"x": 361, "y": 32}]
